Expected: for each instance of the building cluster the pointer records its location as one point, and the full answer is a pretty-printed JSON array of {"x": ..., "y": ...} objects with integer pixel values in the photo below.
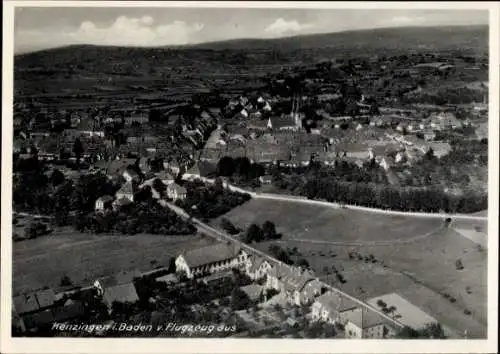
[{"x": 212, "y": 265}]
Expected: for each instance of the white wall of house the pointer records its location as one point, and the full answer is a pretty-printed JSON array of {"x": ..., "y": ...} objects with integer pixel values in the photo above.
[
  {"x": 374, "y": 332},
  {"x": 120, "y": 195},
  {"x": 181, "y": 266},
  {"x": 353, "y": 331}
]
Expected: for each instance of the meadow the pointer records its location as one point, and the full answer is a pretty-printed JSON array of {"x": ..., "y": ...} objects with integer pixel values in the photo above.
[
  {"x": 413, "y": 257},
  {"x": 84, "y": 257}
]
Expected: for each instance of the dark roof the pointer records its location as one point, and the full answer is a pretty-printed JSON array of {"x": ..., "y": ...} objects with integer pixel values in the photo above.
[
  {"x": 334, "y": 301},
  {"x": 71, "y": 309},
  {"x": 365, "y": 318},
  {"x": 281, "y": 122},
  {"x": 253, "y": 291},
  {"x": 121, "y": 293},
  {"x": 210, "y": 254},
  {"x": 45, "y": 297},
  {"x": 119, "y": 278},
  {"x": 38, "y": 319},
  {"x": 106, "y": 198},
  {"x": 119, "y": 166},
  {"x": 34, "y": 301},
  {"x": 127, "y": 188},
  {"x": 25, "y": 303}
]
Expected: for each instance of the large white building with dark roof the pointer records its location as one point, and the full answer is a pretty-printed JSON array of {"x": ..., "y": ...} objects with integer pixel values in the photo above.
[{"x": 210, "y": 259}]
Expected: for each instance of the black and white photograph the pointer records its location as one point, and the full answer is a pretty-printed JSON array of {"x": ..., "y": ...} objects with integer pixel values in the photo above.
[{"x": 255, "y": 171}]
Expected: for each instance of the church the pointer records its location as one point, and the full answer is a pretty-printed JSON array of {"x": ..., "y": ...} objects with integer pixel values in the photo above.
[{"x": 292, "y": 122}]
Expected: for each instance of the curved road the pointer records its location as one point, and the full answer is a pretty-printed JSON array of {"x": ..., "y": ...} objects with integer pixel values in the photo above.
[{"x": 304, "y": 200}]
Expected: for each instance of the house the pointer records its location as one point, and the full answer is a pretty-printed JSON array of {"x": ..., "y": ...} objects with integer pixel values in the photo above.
[
  {"x": 266, "y": 179},
  {"x": 131, "y": 176},
  {"x": 172, "y": 166},
  {"x": 176, "y": 192},
  {"x": 258, "y": 268},
  {"x": 140, "y": 118},
  {"x": 364, "y": 323},
  {"x": 117, "y": 167},
  {"x": 332, "y": 308},
  {"x": 200, "y": 169},
  {"x": 299, "y": 286},
  {"x": 387, "y": 162},
  {"x": 121, "y": 202},
  {"x": 282, "y": 123},
  {"x": 429, "y": 135},
  {"x": 103, "y": 203},
  {"x": 210, "y": 259},
  {"x": 33, "y": 302},
  {"x": 126, "y": 191},
  {"x": 166, "y": 177},
  {"x": 117, "y": 288},
  {"x": 89, "y": 127},
  {"x": 70, "y": 310}
]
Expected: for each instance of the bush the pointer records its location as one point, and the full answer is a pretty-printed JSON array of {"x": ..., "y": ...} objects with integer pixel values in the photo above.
[{"x": 66, "y": 281}]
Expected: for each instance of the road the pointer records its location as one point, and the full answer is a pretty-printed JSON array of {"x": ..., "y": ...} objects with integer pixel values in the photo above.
[
  {"x": 223, "y": 237},
  {"x": 304, "y": 200}
]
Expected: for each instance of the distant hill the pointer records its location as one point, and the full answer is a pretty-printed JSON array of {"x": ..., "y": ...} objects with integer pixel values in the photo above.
[
  {"x": 384, "y": 41},
  {"x": 433, "y": 38}
]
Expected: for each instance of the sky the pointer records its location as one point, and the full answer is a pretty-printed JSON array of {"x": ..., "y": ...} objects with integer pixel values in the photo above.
[{"x": 38, "y": 28}]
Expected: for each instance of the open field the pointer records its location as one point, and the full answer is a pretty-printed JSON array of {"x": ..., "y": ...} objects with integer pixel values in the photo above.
[
  {"x": 84, "y": 257},
  {"x": 419, "y": 264},
  {"x": 312, "y": 222}
]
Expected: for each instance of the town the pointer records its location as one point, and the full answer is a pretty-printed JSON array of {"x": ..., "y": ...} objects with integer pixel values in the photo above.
[{"x": 149, "y": 189}]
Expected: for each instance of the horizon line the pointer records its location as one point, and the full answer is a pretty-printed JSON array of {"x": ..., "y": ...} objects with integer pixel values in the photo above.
[{"x": 191, "y": 45}]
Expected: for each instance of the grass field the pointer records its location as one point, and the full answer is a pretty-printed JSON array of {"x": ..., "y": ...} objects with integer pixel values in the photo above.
[
  {"x": 419, "y": 263},
  {"x": 298, "y": 221},
  {"x": 84, "y": 257}
]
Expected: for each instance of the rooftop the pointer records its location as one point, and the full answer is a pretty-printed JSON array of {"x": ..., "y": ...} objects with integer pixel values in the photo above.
[{"x": 210, "y": 254}]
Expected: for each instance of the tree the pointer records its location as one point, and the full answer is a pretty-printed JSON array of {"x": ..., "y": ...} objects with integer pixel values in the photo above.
[
  {"x": 254, "y": 233},
  {"x": 239, "y": 299},
  {"x": 269, "y": 230},
  {"x": 57, "y": 177},
  {"x": 225, "y": 166},
  {"x": 66, "y": 281},
  {"x": 78, "y": 150}
]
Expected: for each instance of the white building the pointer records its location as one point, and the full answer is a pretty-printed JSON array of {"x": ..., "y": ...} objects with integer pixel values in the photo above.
[
  {"x": 103, "y": 202},
  {"x": 175, "y": 191},
  {"x": 364, "y": 323},
  {"x": 333, "y": 308},
  {"x": 211, "y": 259}
]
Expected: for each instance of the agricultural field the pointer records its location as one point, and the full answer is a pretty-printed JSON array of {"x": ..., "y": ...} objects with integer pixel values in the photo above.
[
  {"x": 413, "y": 257},
  {"x": 84, "y": 257}
]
